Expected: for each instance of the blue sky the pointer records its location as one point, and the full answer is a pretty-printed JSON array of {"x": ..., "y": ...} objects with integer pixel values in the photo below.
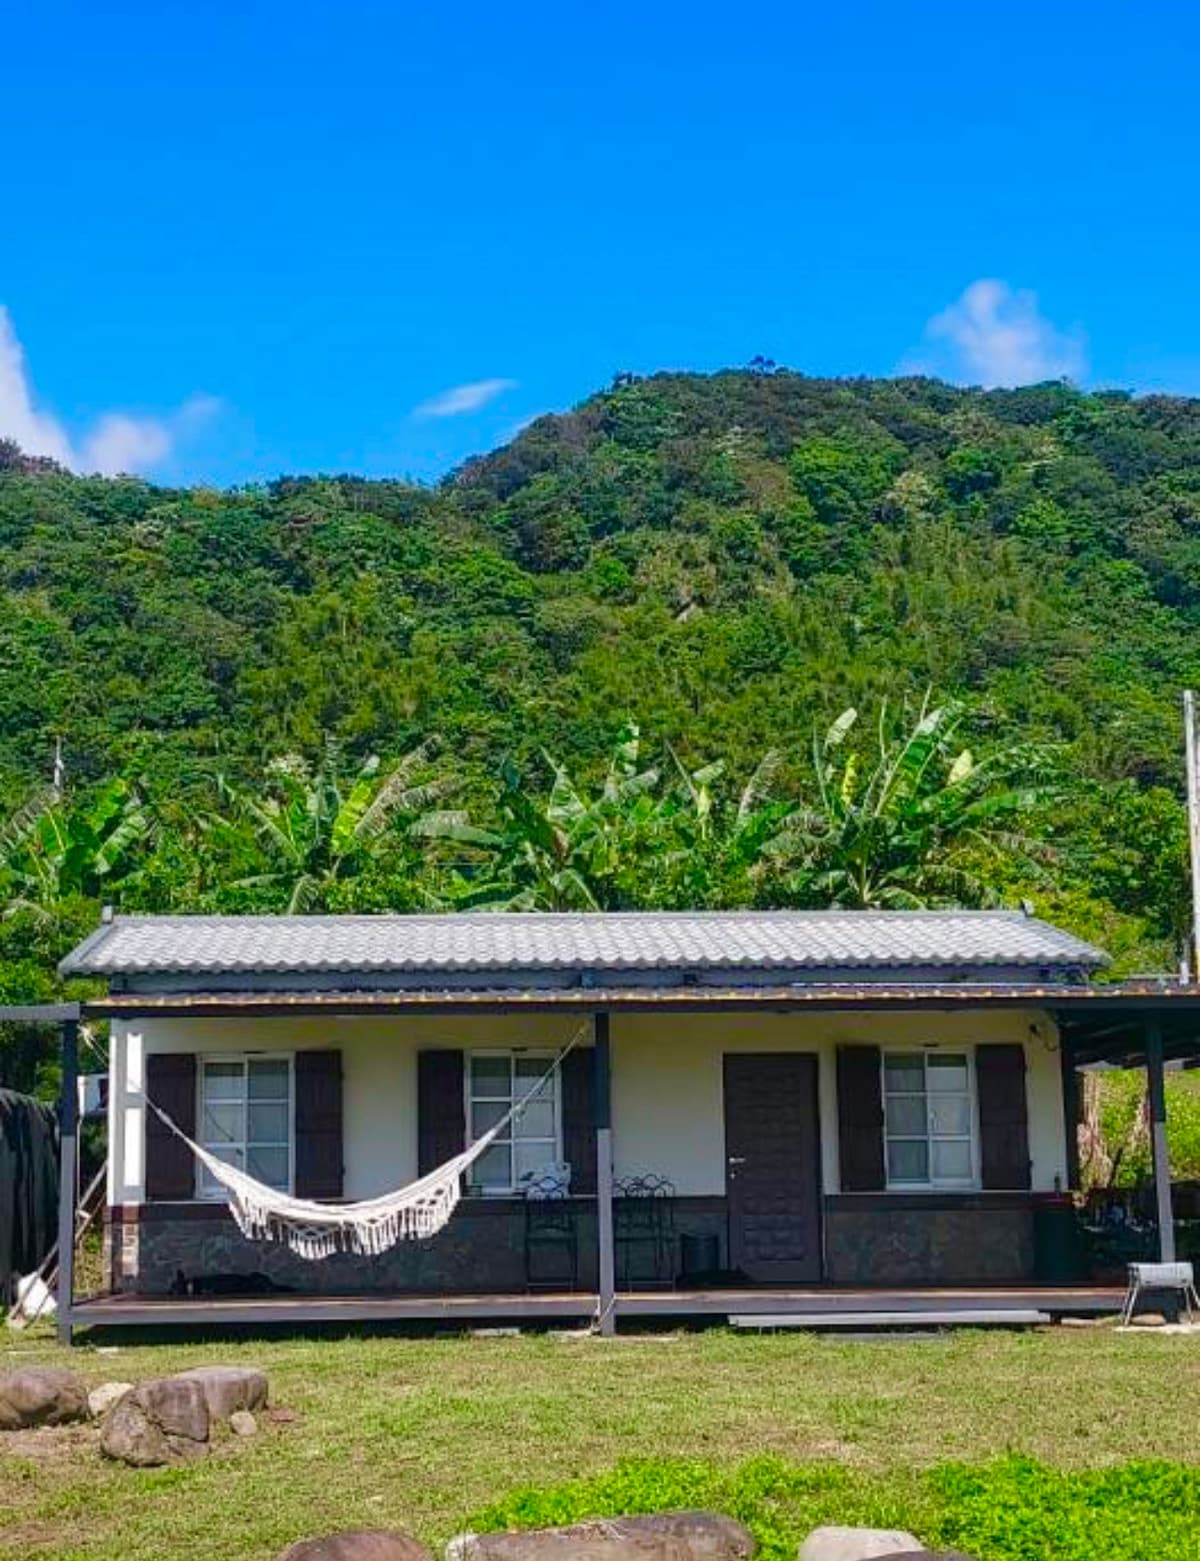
[{"x": 244, "y": 239}]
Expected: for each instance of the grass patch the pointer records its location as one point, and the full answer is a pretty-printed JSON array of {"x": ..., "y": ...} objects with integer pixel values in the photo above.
[
  {"x": 423, "y": 1433},
  {"x": 1012, "y": 1510}
]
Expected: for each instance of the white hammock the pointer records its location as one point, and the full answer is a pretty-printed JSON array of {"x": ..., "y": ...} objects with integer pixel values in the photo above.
[{"x": 318, "y": 1230}]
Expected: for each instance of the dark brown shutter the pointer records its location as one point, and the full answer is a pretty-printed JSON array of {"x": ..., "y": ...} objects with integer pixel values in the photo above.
[
  {"x": 1003, "y": 1117},
  {"x": 171, "y": 1085},
  {"x": 860, "y": 1118},
  {"x": 579, "y": 1117},
  {"x": 441, "y": 1113},
  {"x": 318, "y": 1124}
]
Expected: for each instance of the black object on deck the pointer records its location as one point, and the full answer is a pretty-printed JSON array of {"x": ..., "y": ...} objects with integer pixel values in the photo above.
[{"x": 28, "y": 1186}]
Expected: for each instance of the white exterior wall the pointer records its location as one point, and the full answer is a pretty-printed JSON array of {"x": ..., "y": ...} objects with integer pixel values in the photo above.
[{"x": 667, "y": 1080}]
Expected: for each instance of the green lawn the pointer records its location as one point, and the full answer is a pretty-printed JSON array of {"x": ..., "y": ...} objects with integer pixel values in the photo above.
[{"x": 425, "y": 1433}]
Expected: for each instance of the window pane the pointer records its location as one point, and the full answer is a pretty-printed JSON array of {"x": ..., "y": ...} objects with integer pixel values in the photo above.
[
  {"x": 908, "y": 1161},
  {"x": 533, "y": 1159},
  {"x": 530, "y": 1068},
  {"x": 485, "y": 1114},
  {"x": 952, "y": 1161},
  {"x": 269, "y": 1166},
  {"x": 947, "y": 1072},
  {"x": 950, "y": 1115},
  {"x": 267, "y": 1124},
  {"x": 536, "y": 1121},
  {"x": 906, "y": 1115},
  {"x": 904, "y": 1071},
  {"x": 269, "y": 1079},
  {"x": 221, "y": 1123},
  {"x": 224, "y": 1081},
  {"x": 490, "y": 1076},
  {"x": 493, "y": 1169}
]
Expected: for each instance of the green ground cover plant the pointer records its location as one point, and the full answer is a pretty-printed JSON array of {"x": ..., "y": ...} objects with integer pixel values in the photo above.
[{"x": 1014, "y": 1509}]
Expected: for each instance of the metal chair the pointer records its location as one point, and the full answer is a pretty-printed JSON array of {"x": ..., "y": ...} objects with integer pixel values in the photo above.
[
  {"x": 1177, "y": 1277},
  {"x": 550, "y": 1228},
  {"x": 644, "y": 1225}
]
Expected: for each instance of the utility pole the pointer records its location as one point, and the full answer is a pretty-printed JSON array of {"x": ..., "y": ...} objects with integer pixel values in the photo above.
[{"x": 1193, "y": 808}]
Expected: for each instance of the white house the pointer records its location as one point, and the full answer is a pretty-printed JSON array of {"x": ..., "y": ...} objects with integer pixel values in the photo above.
[{"x": 759, "y": 1110}]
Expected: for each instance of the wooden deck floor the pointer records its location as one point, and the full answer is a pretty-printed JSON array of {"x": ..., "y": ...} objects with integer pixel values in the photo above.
[{"x": 580, "y": 1306}]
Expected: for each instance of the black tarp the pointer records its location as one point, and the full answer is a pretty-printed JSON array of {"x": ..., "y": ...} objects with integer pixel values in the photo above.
[{"x": 28, "y": 1185}]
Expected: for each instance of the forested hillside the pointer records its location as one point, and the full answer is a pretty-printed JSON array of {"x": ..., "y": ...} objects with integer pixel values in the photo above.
[{"x": 729, "y": 562}]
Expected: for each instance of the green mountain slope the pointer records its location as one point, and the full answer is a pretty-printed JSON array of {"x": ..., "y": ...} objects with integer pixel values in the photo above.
[
  {"x": 722, "y": 557},
  {"x": 728, "y": 560}
]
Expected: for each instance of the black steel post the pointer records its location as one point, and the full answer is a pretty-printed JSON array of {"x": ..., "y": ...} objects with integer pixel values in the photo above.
[
  {"x": 606, "y": 1260},
  {"x": 1156, "y": 1084},
  {"x": 68, "y": 1161}
]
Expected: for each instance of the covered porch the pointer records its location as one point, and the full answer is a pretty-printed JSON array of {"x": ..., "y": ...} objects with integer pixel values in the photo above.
[{"x": 1138, "y": 1024}]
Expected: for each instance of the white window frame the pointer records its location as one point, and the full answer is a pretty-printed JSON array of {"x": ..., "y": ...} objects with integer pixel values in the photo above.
[
  {"x": 470, "y": 1099},
  {"x": 933, "y": 1183},
  {"x": 207, "y": 1194}
]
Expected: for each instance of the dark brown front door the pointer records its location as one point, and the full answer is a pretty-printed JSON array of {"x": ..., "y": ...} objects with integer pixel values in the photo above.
[{"x": 773, "y": 1166}]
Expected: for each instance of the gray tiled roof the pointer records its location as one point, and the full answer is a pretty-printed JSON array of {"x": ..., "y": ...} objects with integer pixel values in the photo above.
[{"x": 495, "y": 944}]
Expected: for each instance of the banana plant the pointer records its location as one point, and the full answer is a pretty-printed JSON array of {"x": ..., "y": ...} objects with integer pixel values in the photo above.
[
  {"x": 915, "y": 824},
  {"x": 53, "y": 849},
  {"x": 312, "y": 826}
]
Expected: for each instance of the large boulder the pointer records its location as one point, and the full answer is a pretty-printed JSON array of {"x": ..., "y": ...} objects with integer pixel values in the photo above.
[
  {"x": 364, "y": 1544},
  {"x": 162, "y": 1421},
  {"x": 836, "y": 1543},
  {"x": 41, "y": 1395},
  {"x": 664, "y": 1536},
  {"x": 229, "y": 1388}
]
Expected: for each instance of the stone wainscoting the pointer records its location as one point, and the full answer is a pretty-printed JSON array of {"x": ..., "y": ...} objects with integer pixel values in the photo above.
[
  {"x": 929, "y": 1239},
  {"x": 869, "y": 1239},
  {"x": 483, "y": 1250}
]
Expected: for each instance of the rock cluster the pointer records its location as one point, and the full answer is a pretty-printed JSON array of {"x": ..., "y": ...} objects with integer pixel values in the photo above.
[
  {"x": 165, "y": 1420},
  {"x": 665, "y": 1536}
]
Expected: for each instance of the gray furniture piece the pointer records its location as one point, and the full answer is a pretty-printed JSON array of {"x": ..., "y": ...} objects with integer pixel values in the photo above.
[{"x": 1179, "y": 1278}]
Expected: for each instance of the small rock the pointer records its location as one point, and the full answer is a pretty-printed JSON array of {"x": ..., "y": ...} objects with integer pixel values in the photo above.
[
  {"x": 376, "y": 1544},
  {"x": 41, "y": 1395},
  {"x": 1148, "y": 1320},
  {"x": 243, "y": 1423},
  {"x": 229, "y": 1388},
  {"x": 282, "y": 1416},
  {"x": 836, "y": 1543},
  {"x": 102, "y": 1399},
  {"x": 663, "y": 1536},
  {"x": 164, "y": 1420}
]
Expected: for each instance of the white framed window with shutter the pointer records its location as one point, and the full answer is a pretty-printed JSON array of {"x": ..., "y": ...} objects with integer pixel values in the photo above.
[
  {"x": 931, "y": 1116},
  {"x": 495, "y": 1081},
  {"x": 246, "y": 1117}
]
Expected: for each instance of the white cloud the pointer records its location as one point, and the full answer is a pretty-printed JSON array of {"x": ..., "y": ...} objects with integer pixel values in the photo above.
[
  {"x": 116, "y": 442},
  {"x": 464, "y": 398},
  {"x": 994, "y": 335}
]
